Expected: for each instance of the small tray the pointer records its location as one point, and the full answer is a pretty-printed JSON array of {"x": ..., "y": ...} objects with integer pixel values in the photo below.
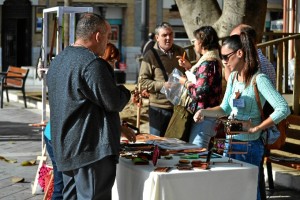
[{"x": 137, "y": 147}]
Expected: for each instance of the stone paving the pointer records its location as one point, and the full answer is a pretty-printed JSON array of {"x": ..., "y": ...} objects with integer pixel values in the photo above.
[{"x": 18, "y": 142}]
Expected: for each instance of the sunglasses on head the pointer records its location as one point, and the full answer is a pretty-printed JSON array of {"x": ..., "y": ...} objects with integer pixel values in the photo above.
[{"x": 227, "y": 56}]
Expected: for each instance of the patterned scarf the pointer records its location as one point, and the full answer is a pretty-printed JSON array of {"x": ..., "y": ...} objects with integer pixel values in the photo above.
[{"x": 209, "y": 55}]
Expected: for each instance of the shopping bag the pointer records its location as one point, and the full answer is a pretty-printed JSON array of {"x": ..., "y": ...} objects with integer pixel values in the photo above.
[
  {"x": 180, "y": 124},
  {"x": 173, "y": 89}
]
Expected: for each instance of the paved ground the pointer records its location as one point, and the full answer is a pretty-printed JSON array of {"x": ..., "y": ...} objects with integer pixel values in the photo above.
[{"x": 20, "y": 142}]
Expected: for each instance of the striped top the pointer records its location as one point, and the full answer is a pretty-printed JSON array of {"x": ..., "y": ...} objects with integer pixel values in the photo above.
[{"x": 266, "y": 67}]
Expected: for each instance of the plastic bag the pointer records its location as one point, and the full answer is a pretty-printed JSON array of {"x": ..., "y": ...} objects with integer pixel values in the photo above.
[{"x": 173, "y": 89}]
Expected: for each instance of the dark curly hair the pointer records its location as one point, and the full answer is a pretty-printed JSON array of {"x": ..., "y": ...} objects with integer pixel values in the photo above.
[{"x": 208, "y": 36}]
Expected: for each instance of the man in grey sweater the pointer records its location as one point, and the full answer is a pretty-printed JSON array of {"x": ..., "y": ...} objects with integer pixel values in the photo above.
[{"x": 84, "y": 110}]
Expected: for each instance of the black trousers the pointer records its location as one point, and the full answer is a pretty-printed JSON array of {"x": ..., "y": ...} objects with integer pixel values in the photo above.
[{"x": 93, "y": 182}]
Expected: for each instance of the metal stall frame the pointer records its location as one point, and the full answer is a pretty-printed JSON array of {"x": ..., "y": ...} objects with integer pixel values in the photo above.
[{"x": 60, "y": 11}]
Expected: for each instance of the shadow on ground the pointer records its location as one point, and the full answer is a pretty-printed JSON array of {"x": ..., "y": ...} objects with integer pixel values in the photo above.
[{"x": 18, "y": 132}]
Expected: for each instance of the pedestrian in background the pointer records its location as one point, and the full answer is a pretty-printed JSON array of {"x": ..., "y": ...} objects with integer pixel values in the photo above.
[
  {"x": 148, "y": 44},
  {"x": 112, "y": 55},
  {"x": 207, "y": 90},
  {"x": 266, "y": 66},
  {"x": 156, "y": 65}
]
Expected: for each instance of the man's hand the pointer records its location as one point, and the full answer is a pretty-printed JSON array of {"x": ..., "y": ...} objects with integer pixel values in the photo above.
[{"x": 128, "y": 133}]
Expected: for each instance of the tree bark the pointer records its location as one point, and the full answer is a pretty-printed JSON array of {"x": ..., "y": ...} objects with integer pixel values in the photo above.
[{"x": 197, "y": 13}]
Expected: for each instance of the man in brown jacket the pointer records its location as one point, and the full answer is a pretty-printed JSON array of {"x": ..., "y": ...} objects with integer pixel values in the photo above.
[{"x": 153, "y": 76}]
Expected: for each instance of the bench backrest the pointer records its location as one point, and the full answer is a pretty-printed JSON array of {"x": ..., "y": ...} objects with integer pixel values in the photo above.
[{"x": 16, "y": 76}]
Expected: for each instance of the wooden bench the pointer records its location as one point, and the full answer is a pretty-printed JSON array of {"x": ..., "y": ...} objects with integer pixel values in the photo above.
[
  {"x": 13, "y": 79},
  {"x": 289, "y": 154}
]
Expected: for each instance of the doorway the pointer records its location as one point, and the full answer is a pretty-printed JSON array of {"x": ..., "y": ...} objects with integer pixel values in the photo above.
[{"x": 16, "y": 33}]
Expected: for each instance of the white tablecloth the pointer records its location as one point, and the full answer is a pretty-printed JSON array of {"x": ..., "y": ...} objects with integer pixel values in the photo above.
[{"x": 225, "y": 181}]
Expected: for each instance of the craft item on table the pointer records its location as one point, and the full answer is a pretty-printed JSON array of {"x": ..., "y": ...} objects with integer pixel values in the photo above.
[
  {"x": 144, "y": 137},
  {"x": 172, "y": 144},
  {"x": 213, "y": 155},
  {"x": 168, "y": 157},
  {"x": 179, "y": 154},
  {"x": 184, "y": 167},
  {"x": 210, "y": 151},
  {"x": 140, "y": 161},
  {"x": 184, "y": 161},
  {"x": 145, "y": 154},
  {"x": 219, "y": 145},
  {"x": 199, "y": 164},
  {"x": 190, "y": 156},
  {"x": 127, "y": 155},
  {"x": 136, "y": 147},
  {"x": 162, "y": 169},
  {"x": 196, "y": 163},
  {"x": 155, "y": 155}
]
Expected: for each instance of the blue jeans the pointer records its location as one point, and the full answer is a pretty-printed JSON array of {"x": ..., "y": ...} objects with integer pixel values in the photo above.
[
  {"x": 254, "y": 155},
  {"x": 58, "y": 178},
  {"x": 159, "y": 119},
  {"x": 202, "y": 132}
]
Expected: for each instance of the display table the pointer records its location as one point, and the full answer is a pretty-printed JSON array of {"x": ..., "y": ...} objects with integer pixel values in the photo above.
[{"x": 223, "y": 181}]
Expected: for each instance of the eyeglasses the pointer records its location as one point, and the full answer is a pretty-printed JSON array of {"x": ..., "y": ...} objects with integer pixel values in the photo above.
[
  {"x": 227, "y": 56},
  {"x": 193, "y": 41}
]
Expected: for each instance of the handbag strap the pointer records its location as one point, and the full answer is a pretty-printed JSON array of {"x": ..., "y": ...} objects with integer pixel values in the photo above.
[
  {"x": 161, "y": 66},
  {"x": 259, "y": 106},
  {"x": 257, "y": 98}
]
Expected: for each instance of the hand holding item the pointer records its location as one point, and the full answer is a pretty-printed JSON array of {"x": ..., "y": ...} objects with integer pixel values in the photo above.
[
  {"x": 136, "y": 96},
  {"x": 167, "y": 85},
  {"x": 182, "y": 80},
  {"x": 254, "y": 129},
  {"x": 145, "y": 93},
  {"x": 183, "y": 62},
  {"x": 128, "y": 133},
  {"x": 198, "y": 116}
]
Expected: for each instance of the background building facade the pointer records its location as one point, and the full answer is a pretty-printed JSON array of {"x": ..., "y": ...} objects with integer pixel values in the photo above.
[{"x": 131, "y": 20}]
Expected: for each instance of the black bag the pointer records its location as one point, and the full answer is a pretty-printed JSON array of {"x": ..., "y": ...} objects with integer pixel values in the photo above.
[{"x": 180, "y": 124}]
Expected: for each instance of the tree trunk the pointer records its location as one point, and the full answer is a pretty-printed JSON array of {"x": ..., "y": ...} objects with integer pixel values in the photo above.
[{"x": 197, "y": 13}]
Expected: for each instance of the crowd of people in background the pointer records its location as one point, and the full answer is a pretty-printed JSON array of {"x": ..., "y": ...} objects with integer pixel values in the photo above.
[{"x": 85, "y": 100}]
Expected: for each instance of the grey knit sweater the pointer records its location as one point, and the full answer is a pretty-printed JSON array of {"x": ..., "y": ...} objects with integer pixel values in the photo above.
[{"x": 84, "y": 108}]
